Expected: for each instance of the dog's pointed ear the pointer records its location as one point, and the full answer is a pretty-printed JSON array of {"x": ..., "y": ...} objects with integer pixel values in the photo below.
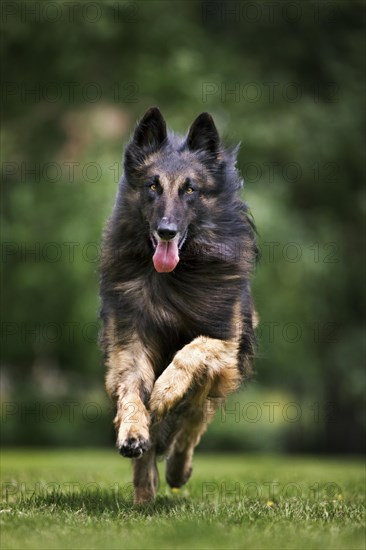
[
  {"x": 151, "y": 130},
  {"x": 203, "y": 135}
]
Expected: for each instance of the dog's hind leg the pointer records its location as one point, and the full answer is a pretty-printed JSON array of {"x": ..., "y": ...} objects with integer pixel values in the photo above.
[
  {"x": 193, "y": 424},
  {"x": 145, "y": 477},
  {"x": 195, "y": 415}
]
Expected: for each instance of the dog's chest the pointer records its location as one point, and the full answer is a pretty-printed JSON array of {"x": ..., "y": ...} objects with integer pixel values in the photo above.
[{"x": 183, "y": 313}]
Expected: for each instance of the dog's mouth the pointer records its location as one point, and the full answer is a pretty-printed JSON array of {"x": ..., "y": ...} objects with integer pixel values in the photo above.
[{"x": 166, "y": 256}]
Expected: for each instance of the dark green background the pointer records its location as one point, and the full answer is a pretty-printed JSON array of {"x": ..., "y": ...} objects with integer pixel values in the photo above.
[{"x": 284, "y": 78}]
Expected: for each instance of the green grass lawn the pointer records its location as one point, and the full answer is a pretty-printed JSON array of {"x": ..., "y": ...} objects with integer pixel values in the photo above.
[{"x": 82, "y": 499}]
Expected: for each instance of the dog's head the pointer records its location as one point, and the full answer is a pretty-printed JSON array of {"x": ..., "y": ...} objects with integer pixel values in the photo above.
[{"x": 179, "y": 183}]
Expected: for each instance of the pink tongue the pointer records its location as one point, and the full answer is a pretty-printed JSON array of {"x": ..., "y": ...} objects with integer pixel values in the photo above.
[{"x": 166, "y": 256}]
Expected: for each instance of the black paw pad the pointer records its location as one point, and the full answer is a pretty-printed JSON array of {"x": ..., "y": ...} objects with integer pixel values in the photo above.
[{"x": 134, "y": 447}]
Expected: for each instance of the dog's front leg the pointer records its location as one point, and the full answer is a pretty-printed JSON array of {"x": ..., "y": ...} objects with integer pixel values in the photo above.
[
  {"x": 129, "y": 382},
  {"x": 209, "y": 363}
]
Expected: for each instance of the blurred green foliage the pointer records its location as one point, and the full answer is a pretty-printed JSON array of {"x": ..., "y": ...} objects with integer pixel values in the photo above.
[{"x": 285, "y": 79}]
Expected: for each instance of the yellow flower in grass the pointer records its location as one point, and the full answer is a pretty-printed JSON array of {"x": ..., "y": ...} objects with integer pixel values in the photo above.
[{"x": 270, "y": 503}]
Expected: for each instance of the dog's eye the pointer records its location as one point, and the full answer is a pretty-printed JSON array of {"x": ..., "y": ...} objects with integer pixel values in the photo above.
[
  {"x": 153, "y": 187},
  {"x": 189, "y": 190}
]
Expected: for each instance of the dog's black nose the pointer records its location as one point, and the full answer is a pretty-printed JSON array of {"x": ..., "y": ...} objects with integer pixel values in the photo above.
[{"x": 167, "y": 231}]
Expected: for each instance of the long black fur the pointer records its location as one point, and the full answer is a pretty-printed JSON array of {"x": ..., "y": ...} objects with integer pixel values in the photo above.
[{"x": 168, "y": 310}]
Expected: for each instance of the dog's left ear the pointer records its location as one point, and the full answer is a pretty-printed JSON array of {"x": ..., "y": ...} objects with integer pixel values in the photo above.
[
  {"x": 151, "y": 130},
  {"x": 203, "y": 135}
]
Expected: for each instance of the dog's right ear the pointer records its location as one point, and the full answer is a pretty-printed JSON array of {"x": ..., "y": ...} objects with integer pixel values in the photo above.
[
  {"x": 151, "y": 132},
  {"x": 148, "y": 137}
]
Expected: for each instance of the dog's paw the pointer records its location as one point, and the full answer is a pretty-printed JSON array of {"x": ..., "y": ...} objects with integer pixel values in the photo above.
[
  {"x": 134, "y": 447},
  {"x": 132, "y": 428},
  {"x": 169, "y": 390},
  {"x": 178, "y": 469}
]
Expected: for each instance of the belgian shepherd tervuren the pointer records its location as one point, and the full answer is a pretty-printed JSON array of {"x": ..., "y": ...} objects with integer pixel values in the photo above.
[{"x": 177, "y": 311}]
